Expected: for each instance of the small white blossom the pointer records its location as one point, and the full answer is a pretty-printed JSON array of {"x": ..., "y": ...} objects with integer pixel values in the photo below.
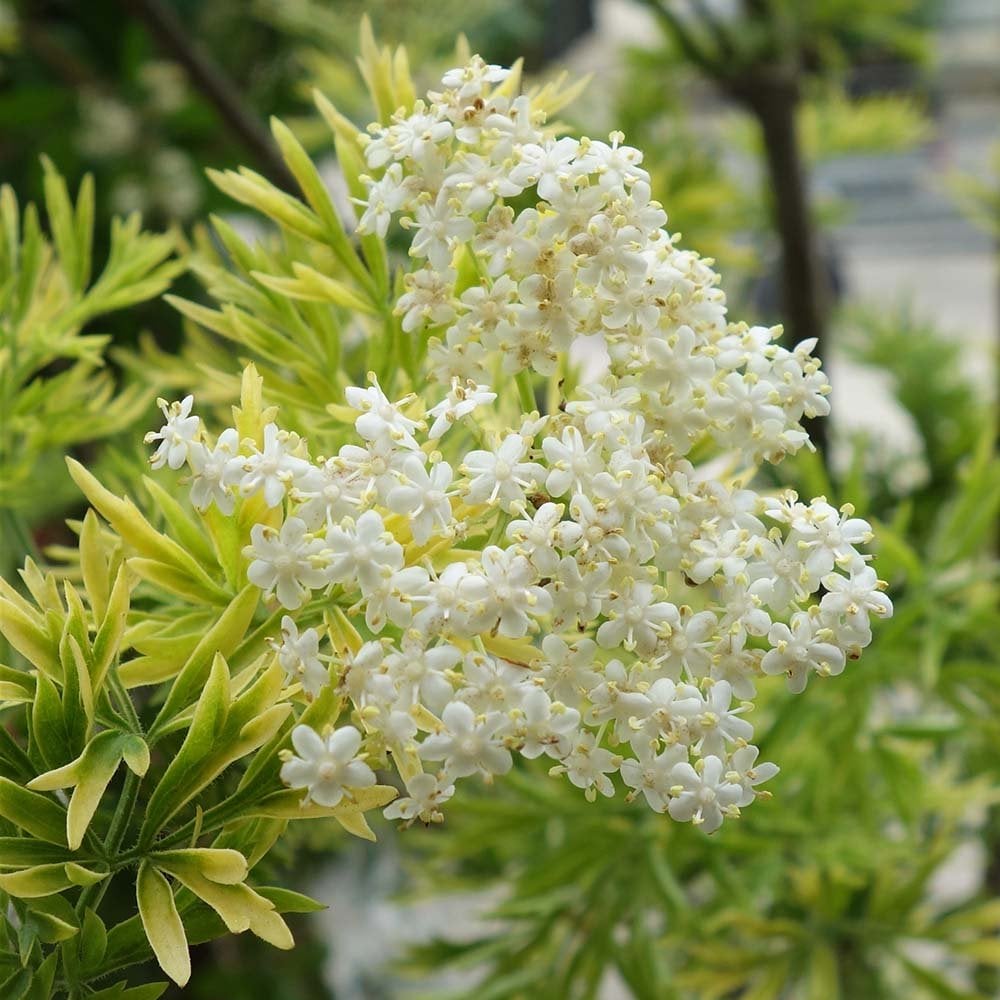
[
  {"x": 298, "y": 654},
  {"x": 461, "y": 400},
  {"x": 328, "y": 769},
  {"x": 703, "y": 798},
  {"x": 468, "y": 743},
  {"x": 426, "y": 794},
  {"x": 176, "y": 435},
  {"x": 288, "y": 561},
  {"x": 212, "y": 472},
  {"x": 272, "y": 470}
]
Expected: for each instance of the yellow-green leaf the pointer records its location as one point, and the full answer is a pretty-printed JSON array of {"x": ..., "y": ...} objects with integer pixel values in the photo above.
[
  {"x": 35, "y": 814},
  {"x": 44, "y": 880},
  {"x": 162, "y": 924},
  {"x": 221, "y": 865}
]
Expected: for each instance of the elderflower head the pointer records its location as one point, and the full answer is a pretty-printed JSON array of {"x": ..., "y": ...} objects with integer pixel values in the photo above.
[{"x": 568, "y": 584}]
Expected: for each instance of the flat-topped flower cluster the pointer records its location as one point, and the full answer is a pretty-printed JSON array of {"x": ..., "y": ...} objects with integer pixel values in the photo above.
[{"x": 565, "y": 584}]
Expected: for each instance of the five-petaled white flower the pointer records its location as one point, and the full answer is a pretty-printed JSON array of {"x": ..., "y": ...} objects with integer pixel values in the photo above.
[
  {"x": 328, "y": 769},
  {"x": 176, "y": 436}
]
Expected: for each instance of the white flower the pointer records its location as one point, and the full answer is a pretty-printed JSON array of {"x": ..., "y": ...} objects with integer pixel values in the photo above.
[
  {"x": 567, "y": 669},
  {"x": 544, "y": 727},
  {"x": 573, "y": 463},
  {"x": 462, "y": 399},
  {"x": 797, "y": 650},
  {"x": 747, "y": 773},
  {"x": 685, "y": 643},
  {"x": 298, "y": 654},
  {"x": 577, "y": 595},
  {"x": 327, "y": 768},
  {"x": 421, "y": 673},
  {"x": 328, "y": 492},
  {"x": 513, "y": 597},
  {"x": 428, "y": 299},
  {"x": 424, "y": 496},
  {"x": 501, "y": 477},
  {"x": 288, "y": 561},
  {"x": 427, "y": 792},
  {"x": 380, "y": 419},
  {"x": 271, "y": 471},
  {"x": 703, "y": 798},
  {"x": 470, "y": 81},
  {"x": 718, "y": 723},
  {"x": 385, "y": 197},
  {"x": 503, "y": 558},
  {"x": 451, "y": 599},
  {"x": 176, "y": 436},
  {"x": 212, "y": 472},
  {"x": 587, "y": 766},
  {"x": 855, "y": 597},
  {"x": 651, "y": 775},
  {"x": 392, "y": 596},
  {"x": 468, "y": 743},
  {"x": 440, "y": 228},
  {"x": 548, "y": 166},
  {"x": 636, "y": 619},
  {"x": 539, "y": 538},
  {"x": 362, "y": 552},
  {"x": 616, "y": 165}
]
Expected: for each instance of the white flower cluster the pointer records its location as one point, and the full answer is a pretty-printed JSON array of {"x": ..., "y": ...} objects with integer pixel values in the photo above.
[{"x": 565, "y": 585}]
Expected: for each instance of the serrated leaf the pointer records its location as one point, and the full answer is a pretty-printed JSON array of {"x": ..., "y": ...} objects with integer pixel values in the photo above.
[
  {"x": 93, "y": 940},
  {"x": 53, "y": 918},
  {"x": 43, "y": 979}
]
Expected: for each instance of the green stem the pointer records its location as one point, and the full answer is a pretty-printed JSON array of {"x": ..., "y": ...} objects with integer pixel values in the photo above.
[
  {"x": 125, "y": 702},
  {"x": 526, "y": 391}
]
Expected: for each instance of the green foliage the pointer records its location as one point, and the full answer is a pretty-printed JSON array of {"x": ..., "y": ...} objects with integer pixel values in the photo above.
[
  {"x": 142, "y": 712},
  {"x": 979, "y": 197},
  {"x": 821, "y": 895},
  {"x": 146, "y": 690},
  {"x": 55, "y": 390}
]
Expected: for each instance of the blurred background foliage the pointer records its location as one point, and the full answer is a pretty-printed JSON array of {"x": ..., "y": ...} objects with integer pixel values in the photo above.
[{"x": 875, "y": 872}]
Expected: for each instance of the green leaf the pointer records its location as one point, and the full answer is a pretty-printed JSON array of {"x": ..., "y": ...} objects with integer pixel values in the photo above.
[
  {"x": 287, "y": 901},
  {"x": 53, "y": 918},
  {"x": 16, "y": 986},
  {"x": 93, "y": 940},
  {"x": 26, "y": 634},
  {"x": 91, "y": 773},
  {"x": 219, "y": 865},
  {"x": 221, "y": 639},
  {"x": 241, "y": 909},
  {"x": 43, "y": 979},
  {"x": 25, "y": 852},
  {"x": 43, "y": 880},
  {"x": 109, "y": 635},
  {"x": 151, "y": 545},
  {"x": 49, "y": 733},
  {"x": 162, "y": 924},
  {"x": 824, "y": 979},
  {"x": 35, "y": 814},
  {"x": 174, "y": 788},
  {"x": 135, "y": 753}
]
